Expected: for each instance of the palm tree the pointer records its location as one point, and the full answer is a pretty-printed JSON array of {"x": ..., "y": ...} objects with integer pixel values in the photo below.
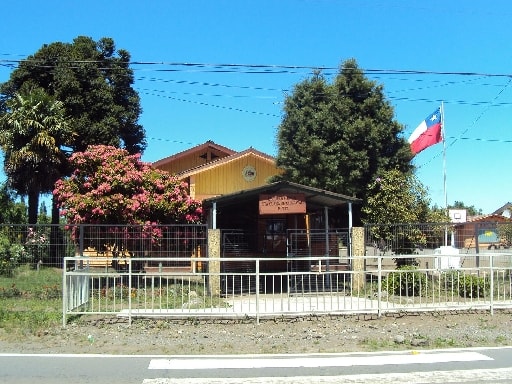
[{"x": 33, "y": 132}]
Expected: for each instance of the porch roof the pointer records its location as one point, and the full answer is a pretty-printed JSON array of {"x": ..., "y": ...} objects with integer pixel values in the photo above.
[{"x": 312, "y": 195}]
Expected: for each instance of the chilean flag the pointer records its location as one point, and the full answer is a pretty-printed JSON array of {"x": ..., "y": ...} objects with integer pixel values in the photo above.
[{"x": 428, "y": 133}]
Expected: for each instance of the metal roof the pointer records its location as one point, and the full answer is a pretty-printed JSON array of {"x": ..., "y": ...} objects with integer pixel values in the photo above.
[{"x": 315, "y": 196}]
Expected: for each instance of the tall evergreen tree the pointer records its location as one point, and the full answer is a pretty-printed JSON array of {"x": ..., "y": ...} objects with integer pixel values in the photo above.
[
  {"x": 340, "y": 136},
  {"x": 94, "y": 82}
]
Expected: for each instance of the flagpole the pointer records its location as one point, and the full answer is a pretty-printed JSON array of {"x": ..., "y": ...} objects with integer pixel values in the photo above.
[{"x": 444, "y": 170}]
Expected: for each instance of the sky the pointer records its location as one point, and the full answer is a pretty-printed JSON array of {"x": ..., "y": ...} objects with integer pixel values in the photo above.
[{"x": 250, "y": 54}]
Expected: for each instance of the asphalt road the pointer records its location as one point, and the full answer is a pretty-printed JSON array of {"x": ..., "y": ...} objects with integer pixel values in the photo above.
[{"x": 492, "y": 365}]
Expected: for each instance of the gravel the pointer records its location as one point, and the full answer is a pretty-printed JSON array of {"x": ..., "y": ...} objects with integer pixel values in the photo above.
[{"x": 307, "y": 334}]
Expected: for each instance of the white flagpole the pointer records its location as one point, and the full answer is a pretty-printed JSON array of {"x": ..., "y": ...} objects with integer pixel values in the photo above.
[{"x": 444, "y": 170}]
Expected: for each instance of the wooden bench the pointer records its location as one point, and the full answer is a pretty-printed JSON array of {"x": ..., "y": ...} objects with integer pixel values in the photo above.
[
  {"x": 332, "y": 267},
  {"x": 164, "y": 270},
  {"x": 97, "y": 259}
]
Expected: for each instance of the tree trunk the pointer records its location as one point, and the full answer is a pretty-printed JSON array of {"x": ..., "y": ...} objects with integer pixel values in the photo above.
[
  {"x": 33, "y": 206},
  {"x": 55, "y": 212}
]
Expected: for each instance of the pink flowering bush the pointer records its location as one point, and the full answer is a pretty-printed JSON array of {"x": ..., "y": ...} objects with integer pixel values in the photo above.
[
  {"x": 110, "y": 186},
  {"x": 37, "y": 244}
]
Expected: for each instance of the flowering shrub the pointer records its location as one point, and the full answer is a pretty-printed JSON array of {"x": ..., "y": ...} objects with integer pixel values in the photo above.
[
  {"x": 110, "y": 186},
  {"x": 37, "y": 244},
  {"x": 12, "y": 255}
]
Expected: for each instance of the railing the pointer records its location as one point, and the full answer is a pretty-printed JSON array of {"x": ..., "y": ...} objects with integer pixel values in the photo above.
[{"x": 371, "y": 284}]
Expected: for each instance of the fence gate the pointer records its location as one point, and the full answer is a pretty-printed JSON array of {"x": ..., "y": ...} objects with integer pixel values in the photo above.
[
  {"x": 235, "y": 244},
  {"x": 302, "y": 245}
]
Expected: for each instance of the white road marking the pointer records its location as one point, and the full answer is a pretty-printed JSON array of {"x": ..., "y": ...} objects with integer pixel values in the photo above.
[
  {"x": 312, "y": 362},
  {"x": 434, "y": 377}
]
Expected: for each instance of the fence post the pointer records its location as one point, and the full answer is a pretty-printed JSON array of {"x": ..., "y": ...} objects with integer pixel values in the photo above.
[
  {"x": 130, "y": 291},
  {"x": 257, "y": 291},
  {"x": 491, "y": 265},
  {"x": 379, "y": 286},
  {"x": 214, "y": 262},
  {"x": 64, "y": 293},
  {"x": 358, "y": 252}
]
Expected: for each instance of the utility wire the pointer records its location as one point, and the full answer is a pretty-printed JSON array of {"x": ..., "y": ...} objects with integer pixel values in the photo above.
[
  {"x": 289, "y": 69},
  {"x": 257, "y": 68},
  {"x": 214, "y": 105},
  {"x": 491, "y": 103}
]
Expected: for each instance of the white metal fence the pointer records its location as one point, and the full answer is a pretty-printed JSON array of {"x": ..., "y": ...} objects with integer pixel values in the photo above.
[{"x": 368, "y": 284}]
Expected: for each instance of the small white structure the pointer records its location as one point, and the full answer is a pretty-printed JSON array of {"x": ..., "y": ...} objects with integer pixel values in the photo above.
[
  {"x": 458, "y": 215},
  {"x": 446, "y": 257}
]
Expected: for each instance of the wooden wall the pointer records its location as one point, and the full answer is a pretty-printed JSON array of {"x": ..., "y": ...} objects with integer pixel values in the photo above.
[{"x": 228, "y": 178}]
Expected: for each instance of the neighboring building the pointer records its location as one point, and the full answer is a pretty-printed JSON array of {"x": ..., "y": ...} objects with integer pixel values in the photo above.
[
  {"x": 213, "y": 170},
  {"x": 505, "y": 210},
  {"x": 482, "y": 232}
]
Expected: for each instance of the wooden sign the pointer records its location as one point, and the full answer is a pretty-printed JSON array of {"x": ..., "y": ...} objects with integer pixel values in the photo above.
[{"x": 282, "y": 204}]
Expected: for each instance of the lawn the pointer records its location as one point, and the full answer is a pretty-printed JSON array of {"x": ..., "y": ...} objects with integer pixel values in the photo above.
[{"x": 31, "y": 300}]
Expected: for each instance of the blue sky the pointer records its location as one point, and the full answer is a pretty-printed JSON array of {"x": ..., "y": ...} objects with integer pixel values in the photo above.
[{"x": 462, "y": 48}]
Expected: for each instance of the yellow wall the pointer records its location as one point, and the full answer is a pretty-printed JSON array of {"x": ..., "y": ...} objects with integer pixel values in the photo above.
[{"x": 228, "y": 178}]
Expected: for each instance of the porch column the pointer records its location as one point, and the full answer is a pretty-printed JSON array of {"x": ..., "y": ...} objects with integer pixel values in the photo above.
[
  {"x": 358, "y": 276},
  {"x": 349, "y": 216},
  {"x": 326, "y": 229},
  {"x": 214, "y": 262},
  {"x": 214, "y": 216},
  {"x": 349, "y": 245}
]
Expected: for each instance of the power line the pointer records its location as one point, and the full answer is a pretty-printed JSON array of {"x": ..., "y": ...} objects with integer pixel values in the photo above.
[
  {"x": 202, "y": 83},
  {"x": 259, "y": 68},
  {"x": 214, "y": 105},
  {"x": 187, "y": 67}
]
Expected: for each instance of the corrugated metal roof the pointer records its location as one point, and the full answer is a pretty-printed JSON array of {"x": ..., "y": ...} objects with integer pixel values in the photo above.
[
  {"x": 224, "y": 160},
  {"x": 316, "y": 196}
]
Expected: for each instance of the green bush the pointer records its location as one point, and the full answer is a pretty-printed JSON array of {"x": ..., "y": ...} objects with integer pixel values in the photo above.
[
  {"x": 9, "y": 292},
  {"x": 466, "y": 285},
  {"x": 12, "y": 255},
  {"x": 473, "y": 286},
  {"x": 405, "y": 281}
]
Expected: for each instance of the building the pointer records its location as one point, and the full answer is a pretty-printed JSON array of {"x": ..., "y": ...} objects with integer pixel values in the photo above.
[
  {"x": 279, "y": 221},
  {"x": 483, "y": 232},
  {"x": 220, "y": 176},
  {"x": 212, "y": 170},
  {"x": 504, "y": 210}
]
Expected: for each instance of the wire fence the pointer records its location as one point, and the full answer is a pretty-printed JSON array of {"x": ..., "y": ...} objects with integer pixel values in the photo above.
[
  {"x": 410, "y": 239},
  {"x": 48, "y": 245}
]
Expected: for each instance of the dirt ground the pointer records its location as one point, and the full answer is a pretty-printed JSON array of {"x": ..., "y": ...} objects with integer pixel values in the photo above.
[{"x": 311, "y": 334}]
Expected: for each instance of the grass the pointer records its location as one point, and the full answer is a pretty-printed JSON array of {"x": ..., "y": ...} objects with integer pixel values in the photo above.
[{"x": 31, "y": 300}]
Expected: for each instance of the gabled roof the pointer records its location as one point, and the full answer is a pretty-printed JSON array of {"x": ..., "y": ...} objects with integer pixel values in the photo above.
[
  {"x": 198, "y": 148},
  {"x": 225, "y": 160},
  {"x": 316, "y": 196},
  {"x": 503, "y": 208}
]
